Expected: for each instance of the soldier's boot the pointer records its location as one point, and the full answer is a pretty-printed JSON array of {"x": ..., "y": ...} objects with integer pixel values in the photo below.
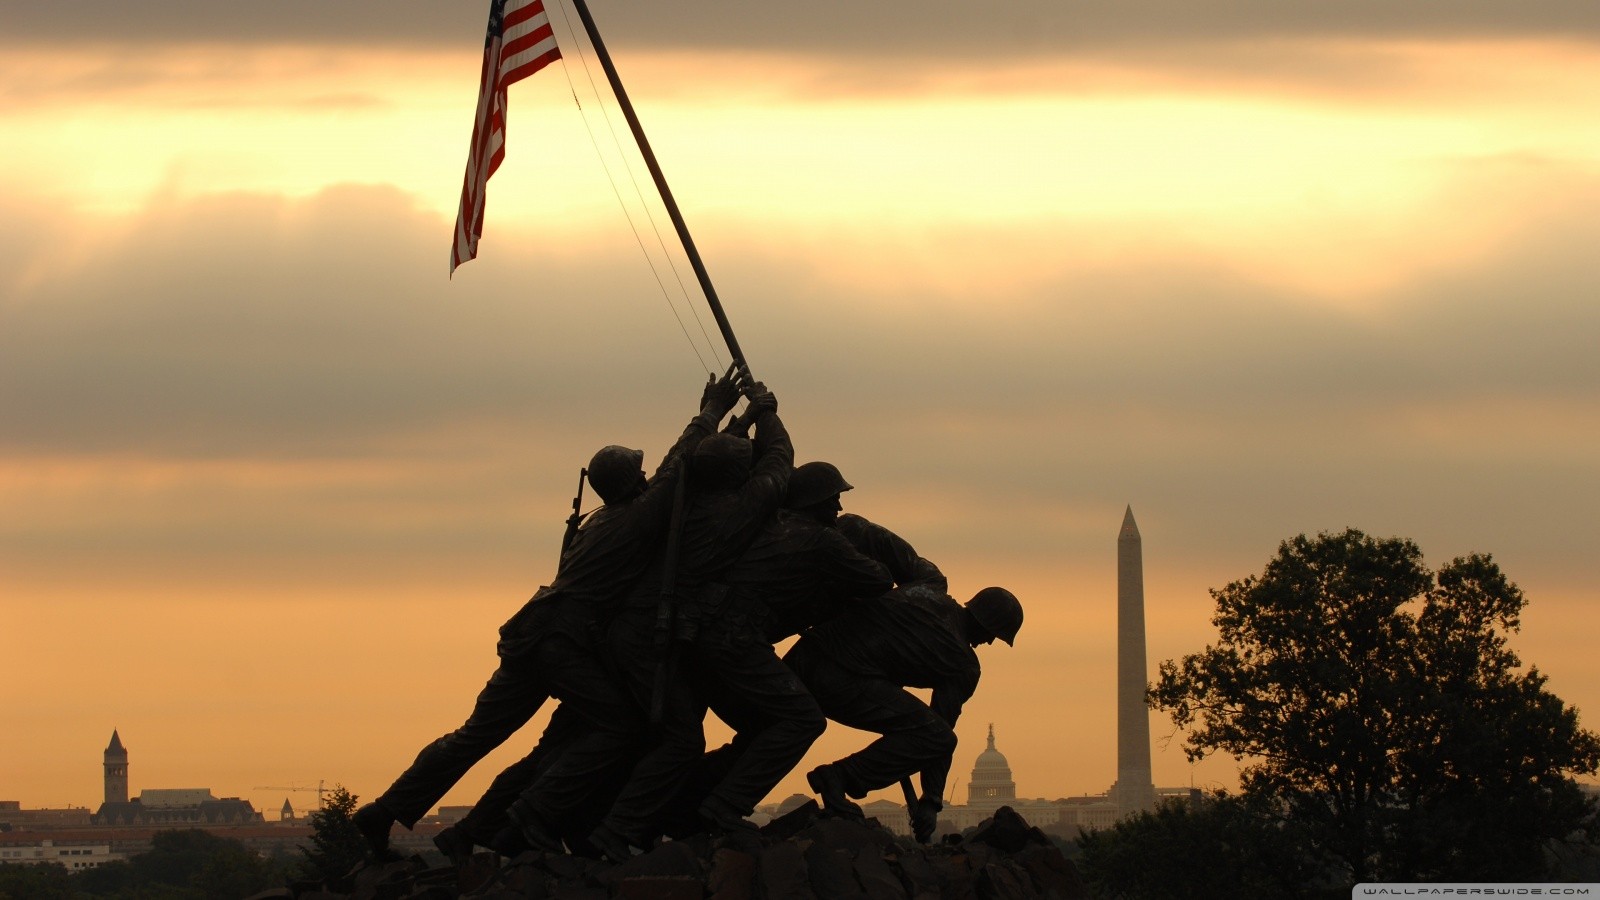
[
  {"x": 612, "y": 847},
  {"x": 829, "y": 785},
  {"x": 722, "y": 817},
  {"x": 509, "y": 842},
  {"x": 454, "y": 843},
  {"x": 373, "y": 821},
  {"x": 535, "y": 832}
]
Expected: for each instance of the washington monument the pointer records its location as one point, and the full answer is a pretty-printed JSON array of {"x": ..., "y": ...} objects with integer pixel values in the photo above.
[{"x": 1135, "y": 789}]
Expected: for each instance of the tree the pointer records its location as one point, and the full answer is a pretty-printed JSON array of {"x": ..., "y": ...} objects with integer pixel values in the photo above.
[
  {"x": 35, "y": 881},
  {"x": 1381, "y": 711},
  {"x": 336, "y": 843},
  {"x": 184, "y": 863},
  {"x": 1225, "y": 847}
]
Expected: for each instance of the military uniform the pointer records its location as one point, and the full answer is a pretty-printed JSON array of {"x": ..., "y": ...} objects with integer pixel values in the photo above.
[
  {"x": 548, "y": 649},
  {"x": 909, "y": 570},
  {"x": 725, "y": 653},
  {"x": 799, "y": 573},
  {"x": 858, "y": 665}
]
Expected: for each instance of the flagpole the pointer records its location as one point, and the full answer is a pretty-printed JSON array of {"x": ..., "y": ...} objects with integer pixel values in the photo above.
[{"x": 661, "y": 186}]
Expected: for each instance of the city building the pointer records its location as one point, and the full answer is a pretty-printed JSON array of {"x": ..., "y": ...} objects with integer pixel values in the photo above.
[
  {"x": 116, "y": 770},
  {"x": 71, "y": 855},
  {"x": 163, "y": 806},
  {"x": 14, "y": 818},
  {"x": 992, "y": 786}
]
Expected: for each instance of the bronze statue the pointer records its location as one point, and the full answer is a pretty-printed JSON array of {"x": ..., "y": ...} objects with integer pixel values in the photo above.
[
  {"x": 548, "y": 648},
  {"x": 735, "y": 487},
  {"x": 858, "y": 665},
  {"x": 803, "y": 571}
]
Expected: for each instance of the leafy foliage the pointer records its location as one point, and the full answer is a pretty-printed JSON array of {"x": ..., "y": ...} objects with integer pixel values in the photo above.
[
  {"x": 180, "y": 865},
  {"x": 1223, "y": 847},
  {"x": 1383, "y": 713},
  {"x": 336, "y": 843},
  {"x": 47, "y": 881}
]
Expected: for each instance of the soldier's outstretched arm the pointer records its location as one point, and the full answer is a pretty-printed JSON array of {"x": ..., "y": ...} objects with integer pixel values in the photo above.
[
  {"x": 774, "y": 452},
  {"x": 738, "y": 425},
  {"x": 716, "y": 400},
  {"x": 934, "y": 778},
  {"x": 949, "y": 696},
  {"x": 848, "y": 572},
  {"x": 719, "y": 397},
  {"x": 910, "y": 570},
  {"x": 953, "y": 693}
]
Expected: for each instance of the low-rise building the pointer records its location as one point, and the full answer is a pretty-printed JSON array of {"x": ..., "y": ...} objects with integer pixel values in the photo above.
[
  {"x": 14, "y": 818},
  {"x": 17, "y": 848}
]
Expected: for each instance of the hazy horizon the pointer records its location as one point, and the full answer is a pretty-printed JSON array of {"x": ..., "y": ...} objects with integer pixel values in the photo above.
[{"x": 270, "y": 481}]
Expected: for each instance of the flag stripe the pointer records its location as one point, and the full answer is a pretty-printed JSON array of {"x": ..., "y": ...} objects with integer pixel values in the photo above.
[
  {"x": 518, "y": 43},
  {"x": 520, "y": 12},
  {"x": 526, "y": 64},
  {"x": 533, "y": 33}
]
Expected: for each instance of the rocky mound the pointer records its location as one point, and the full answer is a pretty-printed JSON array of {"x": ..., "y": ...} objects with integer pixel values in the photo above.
[{"x": 801, "y": 856}]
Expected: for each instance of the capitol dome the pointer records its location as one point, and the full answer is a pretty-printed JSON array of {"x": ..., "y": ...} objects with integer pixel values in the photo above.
[{"x": 991, "y": 783}]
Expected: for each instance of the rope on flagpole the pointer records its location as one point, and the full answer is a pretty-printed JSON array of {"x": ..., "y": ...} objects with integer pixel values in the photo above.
[
  {"x": 683, "y": 290},
  {"x": 656, "y": 175},
  {"x": 643, "y": 251}
]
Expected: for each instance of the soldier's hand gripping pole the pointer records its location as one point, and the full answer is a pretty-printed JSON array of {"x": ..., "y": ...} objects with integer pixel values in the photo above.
[{"x": 741, "y": 423}]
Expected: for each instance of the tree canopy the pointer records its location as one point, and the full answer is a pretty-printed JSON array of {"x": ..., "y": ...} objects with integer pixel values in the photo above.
[
  {"x": 181, "y": 864},
  {"x": 1380, "y": 709},
  {"x": 336, "y": 843},
  {"x": 1221, "y": 847}
]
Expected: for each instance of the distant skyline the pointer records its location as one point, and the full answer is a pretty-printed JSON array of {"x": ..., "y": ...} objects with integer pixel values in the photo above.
[{"x": 269, "y": 482}]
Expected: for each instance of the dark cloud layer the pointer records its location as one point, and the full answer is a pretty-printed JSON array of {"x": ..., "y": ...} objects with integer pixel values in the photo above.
[
  {"x": 330, "y": 320},
  {"x": 938, "y": 27},
  {"x": 323, "y": 330}
]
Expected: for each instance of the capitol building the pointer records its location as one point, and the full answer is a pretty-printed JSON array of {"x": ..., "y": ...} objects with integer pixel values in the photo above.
[{"x": 992, "y": 786}]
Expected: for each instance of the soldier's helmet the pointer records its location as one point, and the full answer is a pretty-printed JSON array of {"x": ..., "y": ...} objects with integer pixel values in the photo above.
[
  {"x": 813, "y": 483},
  {"x": 997, "y": 610},
  {"x": 721, "y": 460},
  {"x": 615, "y": 471}
]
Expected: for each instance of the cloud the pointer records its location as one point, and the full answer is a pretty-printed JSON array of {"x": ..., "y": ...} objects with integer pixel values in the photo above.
[
  {"x": 248, "y": 324},
  {"x": 305, "y": 340},
  {"x": 275, "y": 420},
  {"x": 327, "y": 57},
  {"x": 232, "y": 322},
  {"x": 939, "y": 27}
]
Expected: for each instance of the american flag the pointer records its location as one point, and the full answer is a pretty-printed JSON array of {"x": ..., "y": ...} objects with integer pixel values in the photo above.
[{"x": 519, "y": 43}]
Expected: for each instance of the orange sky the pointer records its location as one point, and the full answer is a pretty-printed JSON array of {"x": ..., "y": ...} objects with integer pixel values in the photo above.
[{"x": 269, "y": 481}]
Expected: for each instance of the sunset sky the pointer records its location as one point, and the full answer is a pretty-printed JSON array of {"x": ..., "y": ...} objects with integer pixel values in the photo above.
[{"x": 270, "y": 481}]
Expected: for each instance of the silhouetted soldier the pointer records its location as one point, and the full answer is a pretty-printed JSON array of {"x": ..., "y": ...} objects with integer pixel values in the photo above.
[
  {"x": 857, "y": 666},
  {"x": 734, "y": 489},
  {"x": 814, "y": 491},
  {"x": 800, "y": 570},
  {"x": 548, "y": 649}
]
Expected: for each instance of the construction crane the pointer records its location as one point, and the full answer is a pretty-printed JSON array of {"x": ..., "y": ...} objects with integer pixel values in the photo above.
[{"x": 321, "y": 789}]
